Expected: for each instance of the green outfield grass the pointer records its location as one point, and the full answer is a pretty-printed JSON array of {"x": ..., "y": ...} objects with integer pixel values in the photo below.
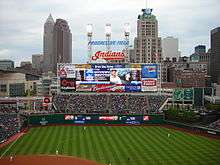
[{"x": 119, "y": 145}]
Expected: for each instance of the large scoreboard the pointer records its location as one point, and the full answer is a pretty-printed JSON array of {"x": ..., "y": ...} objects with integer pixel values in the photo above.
[{"x": 108, "y": 77}]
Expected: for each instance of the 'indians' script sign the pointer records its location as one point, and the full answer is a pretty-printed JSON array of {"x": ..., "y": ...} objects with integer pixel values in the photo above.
[{"x": 109, "y": 55}]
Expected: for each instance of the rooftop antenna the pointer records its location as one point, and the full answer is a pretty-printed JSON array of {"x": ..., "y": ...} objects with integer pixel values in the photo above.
[{"x": 146, "y": 4}]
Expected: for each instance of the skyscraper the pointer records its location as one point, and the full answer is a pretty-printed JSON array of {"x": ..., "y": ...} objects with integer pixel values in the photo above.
[
  {"x": 37, "y": 60},
  {"x": 147, "y": 44},
  {"x": 62, "y": 43},
  {"x": 170, "y": 48},
  {"x": 48, "y": 44},
  {"x": 215, "y": 55}
]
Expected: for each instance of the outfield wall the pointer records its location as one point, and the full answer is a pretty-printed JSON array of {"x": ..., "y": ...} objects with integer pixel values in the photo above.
[
  {"x": 70, "y": 119},
  {"x": 193, "y": 128},
  {"x": 36, "y": 120}
]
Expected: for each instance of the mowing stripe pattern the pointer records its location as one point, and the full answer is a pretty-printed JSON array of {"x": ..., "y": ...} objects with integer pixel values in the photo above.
[{"x": 119, "y": 145}]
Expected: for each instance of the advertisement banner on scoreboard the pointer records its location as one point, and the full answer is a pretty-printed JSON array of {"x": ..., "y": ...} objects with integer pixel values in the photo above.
[
  {"x": 67, "y": 84},
  {"x": 109, "y": 88},
  {"x": 133, "y": 88},
  {"x": 85, "y": 87},
  {"x": 149, "y": 85},
  {"x": 149, "y": 71},
  {"x": 149, "y": 82},
  {"x": 66, "y": 71}
]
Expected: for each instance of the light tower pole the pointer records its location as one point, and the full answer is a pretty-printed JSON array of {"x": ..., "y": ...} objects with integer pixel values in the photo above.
[
  {"x": 127, "y": 35},
  {"x": 89, "y": 30},
  {"x": 108, "y": 32}
]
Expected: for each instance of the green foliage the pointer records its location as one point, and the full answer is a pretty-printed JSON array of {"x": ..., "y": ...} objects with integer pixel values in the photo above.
[
  {"x": 213, "y": 107},
  {"x": 30, "y": 93},
  {"x": 182, "y": 115}
]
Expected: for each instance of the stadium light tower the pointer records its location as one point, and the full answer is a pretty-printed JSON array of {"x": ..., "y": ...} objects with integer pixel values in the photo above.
[
  {"x": 89, "y": 29},
  {"x": 108, "y": 33},
  {"x": 127, "y": 30}
]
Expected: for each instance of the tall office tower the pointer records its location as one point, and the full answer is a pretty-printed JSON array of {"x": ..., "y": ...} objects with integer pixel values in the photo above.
[
  {"x": 215, "y": 55},
  {"x": 37, "y": 60},
  {"x": 48, "y": 44},
  {"x": 62, "y": 42},
  {"x": 147, "y": 44},
  {"x": 170, "y": 48}
]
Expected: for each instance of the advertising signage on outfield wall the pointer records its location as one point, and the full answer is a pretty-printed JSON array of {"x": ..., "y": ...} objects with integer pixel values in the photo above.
[
  {"x": 106, "y": 118},
  {"x": 108, "y": 77},
  {"x": 93, "y": 119}
]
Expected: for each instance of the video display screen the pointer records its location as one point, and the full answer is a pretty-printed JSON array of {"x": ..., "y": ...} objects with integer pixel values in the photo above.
[{"x": 110, "y": 77}]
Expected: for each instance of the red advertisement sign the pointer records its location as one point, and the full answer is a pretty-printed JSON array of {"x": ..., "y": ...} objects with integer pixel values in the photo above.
[
  {"x": 109, "y": 88},
  {"x": 67, "y": 84},
  {"x": 149, "y": 82},
  {"x": 146, "y": 118},
  {"x": 69, "y": 117},
  {"x": 109, "y": 55},
  {"x": 108, "y": 118}
]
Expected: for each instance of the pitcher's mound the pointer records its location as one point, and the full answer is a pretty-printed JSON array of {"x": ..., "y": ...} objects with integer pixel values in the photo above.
[{"x": 45, "y": 160}]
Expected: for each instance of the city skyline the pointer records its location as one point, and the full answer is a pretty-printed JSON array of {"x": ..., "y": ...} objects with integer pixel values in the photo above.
[{"x": 21, "y": 29}]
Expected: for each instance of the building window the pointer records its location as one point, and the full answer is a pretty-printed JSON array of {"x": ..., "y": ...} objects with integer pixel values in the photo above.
[
  {"x": 16, "y": 89},
  {"x": 3, "y": 88}
]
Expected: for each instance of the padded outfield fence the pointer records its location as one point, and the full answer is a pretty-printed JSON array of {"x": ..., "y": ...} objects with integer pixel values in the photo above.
[
  {"x": 158, "y": 119},
  {"x": 51, "y": 119}
]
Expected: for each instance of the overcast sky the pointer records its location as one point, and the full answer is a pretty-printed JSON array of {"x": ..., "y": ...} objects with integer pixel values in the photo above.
[{"x": 21, "y": 22}]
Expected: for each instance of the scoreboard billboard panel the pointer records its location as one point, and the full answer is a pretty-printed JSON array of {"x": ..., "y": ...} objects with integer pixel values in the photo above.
[
  {"x": 109, "y": 77},
  {"x": 67, "y": 84},
  {"x": 149, "y": 70}
]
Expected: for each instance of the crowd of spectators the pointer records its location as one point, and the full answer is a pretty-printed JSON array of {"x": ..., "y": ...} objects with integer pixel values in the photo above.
[
  {"x": 8, "y": 108},
  {"x": 107, "y": 103},
  {"x": 87, "y": 104},
  {"x": 155, "y": 102},
  {"x": 60, "y": 102},
  {"x": 138, "y": 105},
  {"x": 9, "y": 121},
  {"x": 118, "y": 104},
  {"x": 9, "y": 126}
]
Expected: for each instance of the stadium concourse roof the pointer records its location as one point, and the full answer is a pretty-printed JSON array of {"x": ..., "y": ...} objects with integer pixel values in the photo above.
[
  {"x": 15, "y": 99},
  {"x": 17, "y": 71}
]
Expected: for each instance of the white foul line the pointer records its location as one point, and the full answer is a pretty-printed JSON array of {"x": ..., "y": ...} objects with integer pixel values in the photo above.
[{"x": 8, "y": 148}]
